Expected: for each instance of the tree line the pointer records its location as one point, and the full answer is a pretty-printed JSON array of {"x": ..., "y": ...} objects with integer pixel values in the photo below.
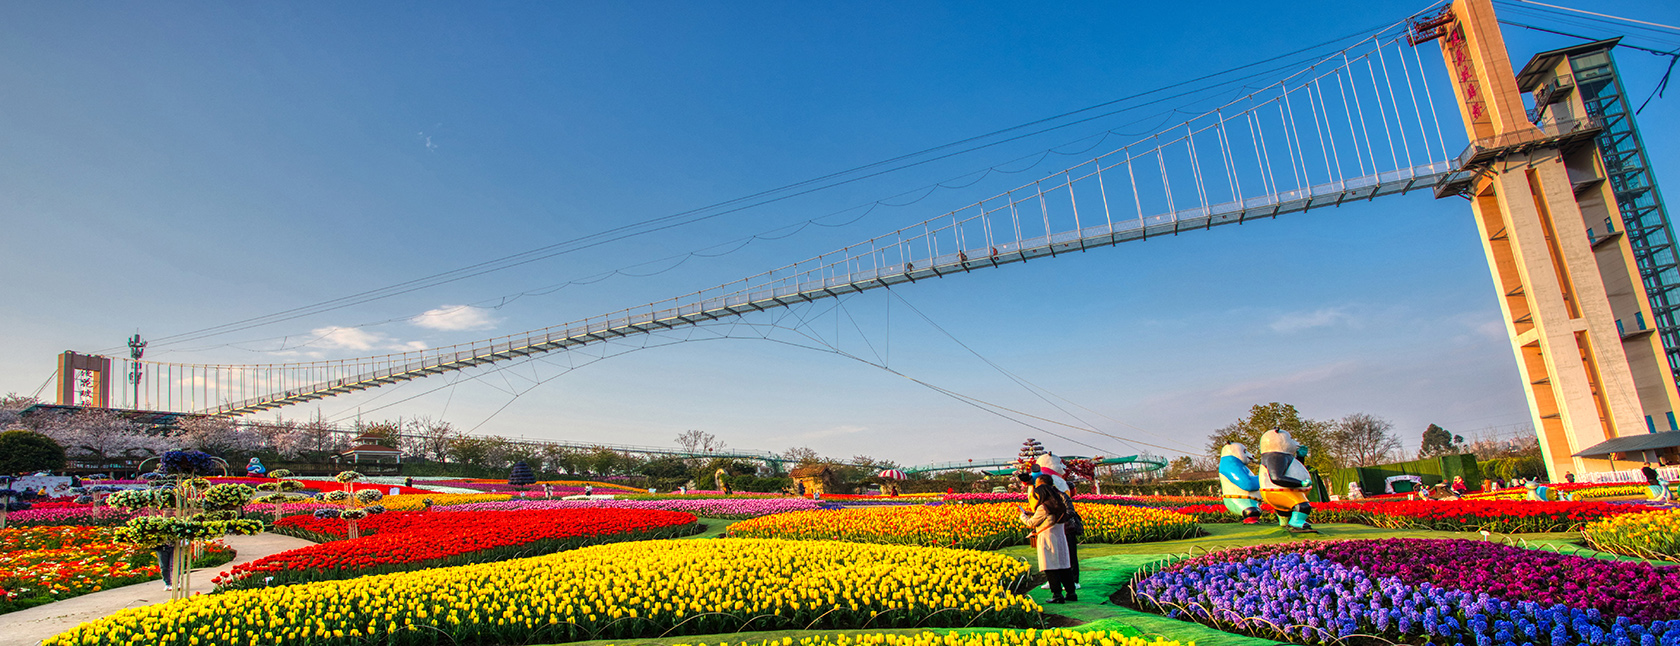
[{"x": 1359, "y": 440}]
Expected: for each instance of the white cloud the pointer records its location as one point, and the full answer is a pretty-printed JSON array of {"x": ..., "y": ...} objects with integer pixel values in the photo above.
[
  {"x": 452, "y": 318},
  {"x": 345, "y": 338},
  {"x": 1298, "y": 321},
  {"x": 360, "y": 340}
]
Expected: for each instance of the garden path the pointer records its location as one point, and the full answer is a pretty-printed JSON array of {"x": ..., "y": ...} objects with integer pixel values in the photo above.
[{"x": 29, "y": 627}]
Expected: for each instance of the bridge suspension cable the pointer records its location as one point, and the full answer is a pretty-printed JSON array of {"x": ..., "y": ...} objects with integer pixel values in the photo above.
[{"x": 1355, "y": 125}]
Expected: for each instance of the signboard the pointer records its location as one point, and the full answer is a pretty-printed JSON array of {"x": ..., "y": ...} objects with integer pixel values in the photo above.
[{"x": 55, "y": 485}]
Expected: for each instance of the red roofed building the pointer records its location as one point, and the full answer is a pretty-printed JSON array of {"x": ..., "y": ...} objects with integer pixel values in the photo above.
[{"x": 367, "y": 449}]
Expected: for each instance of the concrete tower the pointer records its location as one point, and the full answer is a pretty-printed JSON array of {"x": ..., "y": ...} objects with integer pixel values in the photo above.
[{"x": 1567, "y": 280}]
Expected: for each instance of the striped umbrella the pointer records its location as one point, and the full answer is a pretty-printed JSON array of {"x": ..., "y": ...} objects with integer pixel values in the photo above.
[{"x": 893, "y": 474}]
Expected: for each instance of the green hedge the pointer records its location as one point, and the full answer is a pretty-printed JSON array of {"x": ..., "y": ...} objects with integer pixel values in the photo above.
[
  {"x": 757, "y": 484},
  {"x": 1208, "y": 487},
  {"x": 1432, "y": 470}
]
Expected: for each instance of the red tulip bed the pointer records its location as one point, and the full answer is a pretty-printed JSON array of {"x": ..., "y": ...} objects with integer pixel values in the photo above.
[
  {"x": 1503, "y": 516},
  {"x": 414, "y": 540}
]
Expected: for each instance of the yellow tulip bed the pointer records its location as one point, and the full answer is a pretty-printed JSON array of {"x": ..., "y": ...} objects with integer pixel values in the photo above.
[
  {"x": 414, "y": 502},
  {"x": 1652, "y": 535},
  {"x": 1613, "y": 491},
  {"x": 965, "y": 526},
  {"x": 1055, "y": 637},
  {"x": 617, "y": 591}
]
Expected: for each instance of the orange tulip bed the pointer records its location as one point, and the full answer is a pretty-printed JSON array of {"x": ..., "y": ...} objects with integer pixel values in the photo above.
[
  {"x": 963, "y": 526},
  {"x": 44, "y": 564}
]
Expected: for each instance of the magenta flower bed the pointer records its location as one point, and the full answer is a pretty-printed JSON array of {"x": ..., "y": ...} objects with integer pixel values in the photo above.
[
  {"x": 709, "y": 507},
  {"x": 503, "y": 487},
  {"x": 78, "y": 515},
  {"x": 1420, "y": 590},
  {"x": 1639, "y": 591}
]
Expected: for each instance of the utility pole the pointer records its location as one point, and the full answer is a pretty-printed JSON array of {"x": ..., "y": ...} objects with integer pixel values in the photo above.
[{"x": 136, "y": 348}]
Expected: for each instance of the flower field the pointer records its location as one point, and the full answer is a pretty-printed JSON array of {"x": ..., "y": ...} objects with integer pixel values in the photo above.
[
  {"x": 1652, "y": 535},
  {"x": 316, "y": 483},
  {"x": 72, "y": 515},
  {"x": 1581, "y": 491},
  {"x": 707, "y": 507},
  {"x": 1054, "y": 637},
  {"x": 486, "y": 484},
  {"x": 1095, "y": 499},
  {"x": 45, "y": 564},
  {"x": 988, "y": 526},
  {"x": 623, "y": 590},
  {"x": 1419, "y": 591},
  {"x": 693, "y": 494},
  {"x": 402, "y": 541},
  {"x": 1503, "y": 516},
  {"x": 418, "y": 501}
]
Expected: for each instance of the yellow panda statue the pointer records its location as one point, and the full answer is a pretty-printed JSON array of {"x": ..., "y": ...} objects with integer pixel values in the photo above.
[{"x": 1285, "y": 481}]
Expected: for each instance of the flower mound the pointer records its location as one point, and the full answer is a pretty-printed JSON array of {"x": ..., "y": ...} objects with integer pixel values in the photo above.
[
  {"x": 967, "y": 526},
  {"x": 401, "y": 541},
  {"x": 1419, "y": 590},
  {"x": 705, "y": 507},
  {"x": 618, "y": 591},
  {"x": 1652, "y": 535}
]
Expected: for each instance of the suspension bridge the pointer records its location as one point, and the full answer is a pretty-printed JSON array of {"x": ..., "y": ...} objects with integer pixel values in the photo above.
[
  {"x": 1373, "y": 120},
  {"x": 1357, "y": 125}
]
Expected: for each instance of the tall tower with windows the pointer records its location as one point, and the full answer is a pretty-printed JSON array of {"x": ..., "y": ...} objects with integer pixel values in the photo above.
[{"x": 1580, "y": 294}]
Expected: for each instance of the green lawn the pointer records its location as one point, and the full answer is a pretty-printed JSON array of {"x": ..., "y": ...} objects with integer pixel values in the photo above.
[
  {"x": 715, "y": 527},
  {"x": 1106, "y": 568}
]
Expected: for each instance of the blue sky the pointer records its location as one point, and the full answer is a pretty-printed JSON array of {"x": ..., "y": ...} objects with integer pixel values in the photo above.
[{"x": 171, "y": 166}]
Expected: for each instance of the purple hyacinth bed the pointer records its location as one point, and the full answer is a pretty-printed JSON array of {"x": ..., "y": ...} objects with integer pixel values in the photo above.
[{"x": 1444, "y": 592}]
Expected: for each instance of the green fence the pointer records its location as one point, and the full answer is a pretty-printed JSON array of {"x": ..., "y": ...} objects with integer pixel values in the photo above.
[{"x": 1432, "y": 470}]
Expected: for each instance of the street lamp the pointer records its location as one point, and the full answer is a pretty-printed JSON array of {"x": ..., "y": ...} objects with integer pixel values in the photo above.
[{"x": 136, "y": 348}]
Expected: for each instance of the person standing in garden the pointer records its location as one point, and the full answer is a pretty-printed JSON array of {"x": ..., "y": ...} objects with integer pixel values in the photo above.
[
  {"x": 1659, "y": 489},
  {"x": 166, "y": 563},
  {"x": 1049, "y": 537}
]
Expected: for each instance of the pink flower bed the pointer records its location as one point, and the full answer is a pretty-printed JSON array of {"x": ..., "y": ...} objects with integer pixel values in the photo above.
[
  {"x": 707, "y": 507},
  {"x": 78, "y": 515}
]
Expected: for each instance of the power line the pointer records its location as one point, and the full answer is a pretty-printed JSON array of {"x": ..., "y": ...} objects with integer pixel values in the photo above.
[
  {"x": 1021, "y": 381},
  {"x": 642, "y": 227},
  {"x": 1602, "y": 15}
]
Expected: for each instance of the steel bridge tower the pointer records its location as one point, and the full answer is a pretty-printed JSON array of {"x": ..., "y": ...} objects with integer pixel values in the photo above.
[{"x": 1581, "y": 259}]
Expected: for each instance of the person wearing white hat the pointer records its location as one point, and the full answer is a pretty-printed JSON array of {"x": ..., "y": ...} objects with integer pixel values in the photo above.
[{"x": 1050, "y": 465}]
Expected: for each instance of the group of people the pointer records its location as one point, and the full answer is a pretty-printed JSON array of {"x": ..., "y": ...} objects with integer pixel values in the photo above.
[{"x": 1054, "y": 527}]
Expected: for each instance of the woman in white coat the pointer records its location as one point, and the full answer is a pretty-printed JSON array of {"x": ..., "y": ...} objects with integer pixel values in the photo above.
[{"x": 1045, "y": 520}]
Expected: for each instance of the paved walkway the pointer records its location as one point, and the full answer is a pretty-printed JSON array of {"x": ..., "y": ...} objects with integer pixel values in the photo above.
[{"x": 29, "y": 627}]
